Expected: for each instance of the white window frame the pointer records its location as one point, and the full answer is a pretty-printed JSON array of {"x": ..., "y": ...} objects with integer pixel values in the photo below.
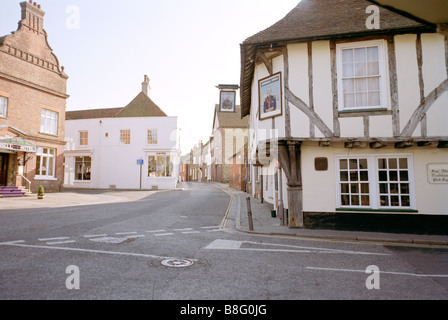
[
  {"x": 153, "y": 133},
  {"x": 49, "y": 122},
  {"x": 122, "y": 131},
  {"x": 83, "y": 141},
  {"x": 382, "y": 74},
  {"x": 49, "y": 157},
  {"x": 83, "y": 168},
  {"x": 3, "y": 106},
  {"x": 374, "y": 183}
]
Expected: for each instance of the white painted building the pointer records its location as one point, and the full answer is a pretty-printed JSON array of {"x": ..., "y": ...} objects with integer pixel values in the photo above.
[
  {"x": 359, "y": 112},
  {"x": 135, "y": 147}
]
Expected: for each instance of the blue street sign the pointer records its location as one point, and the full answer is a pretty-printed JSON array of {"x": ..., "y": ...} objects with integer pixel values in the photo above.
[{"x": 140, "y": 162}]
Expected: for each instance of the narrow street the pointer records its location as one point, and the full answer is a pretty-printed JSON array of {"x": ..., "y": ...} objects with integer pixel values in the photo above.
[{"x": 171, "y": 246}]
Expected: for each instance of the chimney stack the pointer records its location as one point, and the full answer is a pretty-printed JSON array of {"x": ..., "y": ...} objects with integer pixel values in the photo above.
[
  {"x": 32, "y": 16},
  {"x": 145, "y": 86}
]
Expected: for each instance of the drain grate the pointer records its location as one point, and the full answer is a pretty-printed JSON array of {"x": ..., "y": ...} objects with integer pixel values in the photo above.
[{"x": 177, "y": 263}]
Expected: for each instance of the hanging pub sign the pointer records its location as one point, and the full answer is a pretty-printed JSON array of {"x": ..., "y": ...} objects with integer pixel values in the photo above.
[
  {"x": 227, "y": 101},
  {"x": 270, "y": 90}
]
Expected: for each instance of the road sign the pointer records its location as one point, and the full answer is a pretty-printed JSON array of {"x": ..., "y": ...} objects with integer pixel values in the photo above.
[{"x": 140, "y": 161}]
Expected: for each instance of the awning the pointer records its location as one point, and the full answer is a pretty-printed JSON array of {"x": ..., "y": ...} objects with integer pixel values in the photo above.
[{"x": 18, "y": 144}]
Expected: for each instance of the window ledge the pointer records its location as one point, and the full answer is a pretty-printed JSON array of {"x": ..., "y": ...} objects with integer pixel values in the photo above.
[
  {"x": 46, "y": 178},
  {"x": 364, "y": 112},
  {"x": 362, "y": 210}
]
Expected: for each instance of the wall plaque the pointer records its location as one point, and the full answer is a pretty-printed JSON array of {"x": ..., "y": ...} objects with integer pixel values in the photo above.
[{"x": 438, "y": 173}]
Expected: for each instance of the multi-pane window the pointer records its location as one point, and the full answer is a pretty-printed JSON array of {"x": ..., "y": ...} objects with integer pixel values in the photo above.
[
  {"x": 354, "y": 182},
  {"x": 125, "y": 136},
  {"x": 375, "y": 182},
  {"x": 45, "y": 163},
  {"x": 152, "y": 136},
  {"x": 361, "y": 76},
  {"x": 160, "y": 166},
  {"x": 3, "y": 106},
  {"x": 49, "y": 122},
  {"x": 83, "y": 138},
  {"x": 83, "y": 168},
  {"x": 394, "y": 184}
]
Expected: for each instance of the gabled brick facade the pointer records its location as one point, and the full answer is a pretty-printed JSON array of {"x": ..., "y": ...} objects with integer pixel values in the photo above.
[{"x": 33, "y": 88}]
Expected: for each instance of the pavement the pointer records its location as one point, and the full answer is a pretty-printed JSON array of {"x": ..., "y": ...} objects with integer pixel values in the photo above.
[{"x": 237, "y": 218}]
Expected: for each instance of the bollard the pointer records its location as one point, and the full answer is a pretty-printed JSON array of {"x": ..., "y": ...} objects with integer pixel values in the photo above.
[{"x": 249, "y": 215}]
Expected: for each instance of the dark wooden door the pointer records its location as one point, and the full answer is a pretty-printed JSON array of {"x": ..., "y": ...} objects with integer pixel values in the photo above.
[{"x": 3, "y": 168}]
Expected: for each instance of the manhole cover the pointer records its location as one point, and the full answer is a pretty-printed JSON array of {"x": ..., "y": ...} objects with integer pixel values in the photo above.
[{"x": 177, "y": 263}]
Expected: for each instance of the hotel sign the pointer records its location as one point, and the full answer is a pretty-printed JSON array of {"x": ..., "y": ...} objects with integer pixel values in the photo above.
[{"x": 17, "y": 147}]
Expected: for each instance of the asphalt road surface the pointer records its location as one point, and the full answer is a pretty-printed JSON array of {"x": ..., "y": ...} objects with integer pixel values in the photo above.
[{"x": 170, "y": 246}]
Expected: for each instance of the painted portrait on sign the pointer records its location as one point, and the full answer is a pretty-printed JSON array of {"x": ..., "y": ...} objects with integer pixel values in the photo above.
[
  {"x": 270, "y": 90},
  {"x": 227, "y": 101}
]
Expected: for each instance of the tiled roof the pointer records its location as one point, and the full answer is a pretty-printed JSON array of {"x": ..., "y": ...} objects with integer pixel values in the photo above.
[
  {"x": 231, "y": 119},
  {"x": 141, "y": 106},
  {"x": 92, "y": 114},
  {"x": 329, "y": 18}
]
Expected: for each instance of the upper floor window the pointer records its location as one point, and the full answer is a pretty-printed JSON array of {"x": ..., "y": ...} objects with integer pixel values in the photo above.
[
  {"x": 152, "y": 136},
  {"x": 125, "y": 136},
  {"x": 3, "y": 106},
  {"x": 49, "y": 122},
  {"x": 361, "y": 76},
  {"x": 83, "y": 138}
]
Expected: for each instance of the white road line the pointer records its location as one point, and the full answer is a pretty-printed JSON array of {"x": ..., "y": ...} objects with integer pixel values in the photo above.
[
  {"x": 155, "y": 231},
  {"x": 52, "y": 239},
  {"x": 60, "y": 242},
  {"x": 236, "y": 245},
  {"x": 136, "y": 236},
  {"x": 124, "y": 233},
  {"x": 185, "y": 229},
  {"x": 163, "y": 234},
  {"x": 187, "y": 232},
  {"x": 384, "y": 272},
  {"x": 211, "y": 227},
  {"x": 11, "y": 242},
  {"x": 94, "y": 235},
  {"x": 215, "y": 230},
  {"x": 16, "y": 244}
]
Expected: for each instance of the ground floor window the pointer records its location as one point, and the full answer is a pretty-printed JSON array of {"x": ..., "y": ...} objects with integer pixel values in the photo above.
[
  {"x": 83, "y": 168},
  {"x": 375, "y": 182},
  {"x": 160, "y": 166},
  {"x": 45, "y": 163}
]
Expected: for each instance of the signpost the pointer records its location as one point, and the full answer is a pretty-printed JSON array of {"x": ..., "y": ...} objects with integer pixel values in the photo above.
[{"x": 140, "y": 162}]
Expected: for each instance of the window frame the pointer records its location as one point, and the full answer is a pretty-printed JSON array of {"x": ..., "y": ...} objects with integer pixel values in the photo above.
[
  {"x": 40, "y": 155},
  {"x": 47, "y": 128},
  {"x": 82, "y": 169},
  {"x": 85, "y": 139},
  {"x": 154, "y": 137},
  {"x": 124, "y": 135},
  {"x": 382, "y": 54},
  {"x": 4, "y": 107},
  {"x": 374, "y": 182}
]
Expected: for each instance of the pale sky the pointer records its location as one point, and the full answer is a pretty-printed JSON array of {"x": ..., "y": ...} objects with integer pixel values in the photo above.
[{"x": 186, "y": 47}]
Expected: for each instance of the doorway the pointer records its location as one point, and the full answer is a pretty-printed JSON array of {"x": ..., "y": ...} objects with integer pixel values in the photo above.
[{"x": 3, "y": 168}]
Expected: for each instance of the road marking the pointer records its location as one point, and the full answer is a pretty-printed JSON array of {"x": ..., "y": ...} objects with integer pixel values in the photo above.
[
  {"x": 163, "y": 234},
  {"x": 53, "y": 239},
  {"x": 11, "y": 242},
  {"x": 17, "y": 244},
  {"x": 185, "y": 229},
  {"x": 155, "y": 231},
  {"x": 95, "y": 235},
  {"x": 188, "y": 232},
  {"x": 124, "y": 233},
  {"x": 210, "y": 227},
  {"x": 221, "y": 244},
  {"x": 61, "y": 242},
  {"x": 384, "y": 272},
  {"x": 215, "y": 230}
]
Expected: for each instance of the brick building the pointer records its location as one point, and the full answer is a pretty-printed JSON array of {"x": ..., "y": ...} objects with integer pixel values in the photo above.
[{"x": 32, "y": 106}]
